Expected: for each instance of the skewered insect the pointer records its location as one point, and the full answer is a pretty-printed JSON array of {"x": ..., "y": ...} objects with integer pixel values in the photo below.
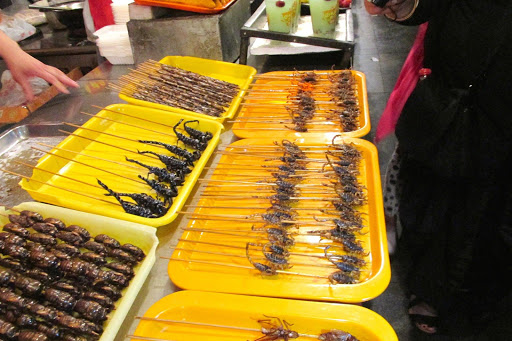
[
  {"x": 262, "y": 268},
  {"x": 273, "y": 331},
  {"x": 11, "y": 238},
  {"x": 28, "y": 286},
  {"x": 162, "y": 174},
  {"x": 96, "y": 247},
  {"x": 167, "y": 192},
  {"x": 67, "y": 287},
  {"x": 102, "y": 299},
  {"x": 197, "y": 134},
  {"x": 341, "y": 277},
  {"x": 91, "y": 310},
  {"x": 55, "y": 222},
  {"x": 44, "y": 260},
  {"x": 69, "y": 249},
  {"x": 274, "y": 248},
  {"x": 25, "y": 320},
  {"x": 11, "y": 263},
  {"x": 30, "y": 335},
  {"x": 108, "y": 290},
  {"x": 83, "y": 233},
  {"x": 134, "y": 251},
  {"x": 127, "y": 206},
  {"x": 107, "y": 241},
  {"x": 45, "y": 228},
  {"x": 16, "y": 229},
  {"x": 123, "y": 268},
  {"x": 78, "y": 325},
  {"x": 335, "y": 234},
  {"x": 7, "y": 330},
  {"x": 350, "y": 259},
  {"x": 122, "y": 255},
  {"x": 93, "y": 257},
  {"x": 337, "y": 335},
  {"x": 61, "y": 300},
  {"x": 191, "y": 157},
  {"x": 39, "y": 275},
  {"x": 171, "y": 163},
  {"x": 189, "y": 141},
  {"x": 71, "y": 238},
  {"x": 43, "y": 239},
  {"x": 15, "y": 251}
]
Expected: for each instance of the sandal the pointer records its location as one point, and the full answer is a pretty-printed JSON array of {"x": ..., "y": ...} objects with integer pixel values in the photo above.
[{"x": 425, "y": 323}]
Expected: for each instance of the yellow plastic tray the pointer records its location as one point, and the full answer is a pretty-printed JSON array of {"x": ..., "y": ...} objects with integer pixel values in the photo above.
[
  {"x": 255, "y": 129},
  {"x": 218, "y": 278},
  {"x": 125, "y": 232},
  {"x": 311, "y": 318},
  {"x": 234, "y": 73},
  {"x": 73, "y": 170}
]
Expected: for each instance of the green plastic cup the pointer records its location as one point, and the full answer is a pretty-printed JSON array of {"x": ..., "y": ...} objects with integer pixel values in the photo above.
[
  {"x": 324, "y": 16},
  {"x": 282, "y": 15}
]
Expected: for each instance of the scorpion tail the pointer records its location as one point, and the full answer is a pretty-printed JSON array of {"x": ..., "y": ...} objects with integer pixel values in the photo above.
[{"x": 110, "y": 192}]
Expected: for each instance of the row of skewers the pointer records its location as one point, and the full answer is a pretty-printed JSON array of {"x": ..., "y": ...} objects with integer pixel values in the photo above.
[
  {"x": 57, "y": 282},
  {"x": 163, "y": 84},
  {"x": 272, "y": 328},
  {"x": 306, "y": 102},
  {"x": 305, "y": 180},
  {"x": 167, "y": 163}
]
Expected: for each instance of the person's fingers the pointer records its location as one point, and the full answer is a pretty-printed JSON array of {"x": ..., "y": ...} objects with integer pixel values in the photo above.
[
  {"x": 61, "y": 76},
  {"x": 47, "y": 76},
  {"x": 27, "y": 88}
]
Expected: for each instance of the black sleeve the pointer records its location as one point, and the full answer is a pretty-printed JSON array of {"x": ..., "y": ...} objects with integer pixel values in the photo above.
[{"x": 426, "y": 10}]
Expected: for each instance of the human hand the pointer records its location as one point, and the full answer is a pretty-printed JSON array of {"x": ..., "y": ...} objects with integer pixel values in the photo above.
[
  {"x": 393, "y": 9},
  {"x": 23, "y": 67}
]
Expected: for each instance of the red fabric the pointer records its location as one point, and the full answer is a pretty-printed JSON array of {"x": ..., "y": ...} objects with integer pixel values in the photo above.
[
  {"x": 101, "y": 13},
  {"x": 403, "y": 87}
]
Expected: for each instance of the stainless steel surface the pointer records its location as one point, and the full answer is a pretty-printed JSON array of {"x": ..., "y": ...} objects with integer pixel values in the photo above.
[
  {"x": 68, "y": 6},
  {"x": 67, "y": 108},
  {"x": 16, "y": 145}
]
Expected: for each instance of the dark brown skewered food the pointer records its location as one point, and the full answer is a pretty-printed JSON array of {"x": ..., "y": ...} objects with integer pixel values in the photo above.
[
  {"x": 167, "y": 192},
  {"x": 16, "y": 229},
  {"x": 129, "y": 207},
  {"x": 189, "y": 141},
  {"x": 55, "y": 222},
  {"x": 96, "y": 247},
  {"x": 134, "y": 251},
  {"x": 171, "y": 163},
  {"x": 45, "y": 228},
  {"x": 197, "y": 134},
  {"x": 191, "y": 157},
  {"x": 174, "y": 179},
  {"x": 83, "y": 233},
  {"x": 10, "y": 238},
  {"x": 107, "y": 241},
  {"x": 337, "y": 335}
]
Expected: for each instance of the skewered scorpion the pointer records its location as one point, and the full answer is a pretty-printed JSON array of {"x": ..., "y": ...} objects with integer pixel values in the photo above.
[
  {"x": 273, "y": 332},
  {"x": 190, "y": 157},
  {"x": 129, "y": 207},
  {"x": 189, "y": 141},
  {"x": 171, "y": 163},
  {"x": 167, "y": 192},
  {"x": 262, "y": 268},
  {"x": 174, "y": 179},
  {"x": 197, "y": 134},
  {"x": 279, "y": 262},
  {"x": 337, "y": 335}
]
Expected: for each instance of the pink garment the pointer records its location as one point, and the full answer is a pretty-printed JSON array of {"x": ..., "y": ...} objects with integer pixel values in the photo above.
[{"x": 404, "y": 86}]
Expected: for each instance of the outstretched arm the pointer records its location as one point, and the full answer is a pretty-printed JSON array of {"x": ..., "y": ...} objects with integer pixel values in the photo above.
[{"x": 23, "y": 67}]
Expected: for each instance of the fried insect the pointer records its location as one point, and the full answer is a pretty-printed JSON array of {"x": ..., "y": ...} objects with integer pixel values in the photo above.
[
  {"x": 29, "y": 286},
  {"x": 30, "y": 335},
  {"x": 336, "y": 234},
  {"x": 7, "y": 330},
  {"x": 96, "y": 247},
  {"x": 11, "y": 263},
  {"x": 123, "y": 268},
  {"x": 197, "y": 134},
  {"x": 78, "y": 325},
  {"x": 134, "y": 251},
  {"x": 279, "y": 331},
  {"x": 69, "y": 249},
  {"x": 6, "y": 277},
  {"x": 191, "y": 157},
  {"x": 43, "y": 239},
  {"x": 122, "y": 255},
  {"x": 349, "y": 268},
  {"x": 162, "y": 174},
  {"x": 189, "y": 141},
  {"x": 39, "y": 275},
  {"x": 129, "y": 207},
  {"x": 61, "y": 255},
  {"x": 44, "y": 260},
  {"x": 274, "y": 248},
  {"x": 102, "y": 299},
  {"x": 11, "y": 238},
  {"x": 16, "y": 229},
  {"x": 262, "y": 268},
  {"x": 93, "y": 257},
  {"x": 171, "y": 163},
  {"x": 341, "y": 277},
  {"x": 71, "y": 238},
  {"x": 15, "y": 251},
  {"x": 91, "y": 310},
  {"x": 108, "y": 290},
  {"x": 337, "y": 335},
  {"x": 61, "y": 300},
  {"x": 55, "y": 222},
  {"x": 107, "y": 241},
  {"x": 167, "y": 192},
  {"x": 83, "y": 233},
  {"x": 45, "y": 228},
  {"x": 67, "y": 287}
]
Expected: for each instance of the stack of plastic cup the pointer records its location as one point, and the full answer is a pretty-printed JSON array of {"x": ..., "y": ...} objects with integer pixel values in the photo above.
[
  {"x": 120, "y": 11},
  {"x": 324, "y": 16},
  {"x": 114, "y": 44},
  {"x": 282, "y": 15}
]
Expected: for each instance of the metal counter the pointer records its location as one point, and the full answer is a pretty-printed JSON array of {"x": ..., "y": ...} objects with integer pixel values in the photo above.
[{"x": 66, "y": 108}]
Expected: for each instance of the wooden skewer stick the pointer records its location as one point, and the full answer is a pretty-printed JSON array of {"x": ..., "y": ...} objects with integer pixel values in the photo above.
[
  {"x": 129, "y": 165},
  {"x": 208, "y": 324},
  {"x": 128, "y": 124},
  {"x": 259, "y": 183},
  {"x": 249, "y": 207},
  {"x": 93, "y": 167},
  {"x": 243, "y": 247},
  {"x": 132, "y": 336},
  {"x": 244, "y": 256},
  {"x": 291, "y": 129},
  {"x": 109, "y": 134},
  {"x": 262, "y": 197},
  {"x": 247, "y": 267},
  {"x": 61, "y": 188},
  {"x": 57, "y": 174},
  {"x": 255, "y": 100},
  {"x": 242, "y": 218},
  {"x": 107, "y": 144},
  {"x": 288, "y": 121}
]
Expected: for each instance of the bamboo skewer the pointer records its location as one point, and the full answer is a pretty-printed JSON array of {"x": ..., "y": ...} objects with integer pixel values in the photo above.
[
  {"x": 57, "y": 174},
  {"x": 129, "y": 165},
  {"x": 247, "y": 267},
  {"x": 132, "y": 116},
  {"x": 127, "y": 124},
  {"x": 244, "y": 256},
  {"x": 243, "y": 247},
  {"x": 61, "y": 188},
  {"x": 93, "y": 167},
  {"x": 207, "y": 325}
]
